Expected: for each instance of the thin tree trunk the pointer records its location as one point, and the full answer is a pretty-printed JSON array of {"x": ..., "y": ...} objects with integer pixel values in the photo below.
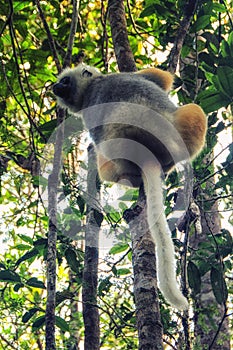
[
  {"x": 90, "y": 272},
  {"x": 74, "y": 339},
  {"x": 52, "y": 235},
  {"x": 150, "y": 330},
  {"x": 73, "y": 29},
  {"x": 181, "y": 34}
]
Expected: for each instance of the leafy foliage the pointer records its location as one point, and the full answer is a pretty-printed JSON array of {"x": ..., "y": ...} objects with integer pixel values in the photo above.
[{"x": 28, "y": 120}]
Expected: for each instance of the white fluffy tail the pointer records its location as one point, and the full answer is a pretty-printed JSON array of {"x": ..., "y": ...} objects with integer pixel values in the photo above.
[{"x": 165, "y": 252}]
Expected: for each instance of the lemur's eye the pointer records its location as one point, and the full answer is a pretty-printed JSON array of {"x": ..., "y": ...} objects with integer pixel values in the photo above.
[{"x": 65, "y": 81}]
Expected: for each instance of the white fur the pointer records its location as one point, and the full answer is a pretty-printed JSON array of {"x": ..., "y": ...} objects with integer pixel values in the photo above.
[{"x": 165, "y": 253}]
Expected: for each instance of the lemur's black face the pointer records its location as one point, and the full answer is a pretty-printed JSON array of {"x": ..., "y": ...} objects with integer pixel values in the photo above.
[
  {"x": 63, "y": 87},
  {"x": 70, "y": 88}
]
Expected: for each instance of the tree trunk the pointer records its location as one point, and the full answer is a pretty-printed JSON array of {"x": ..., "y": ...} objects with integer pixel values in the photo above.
[
  {"x": 122, "y": 49},
  {"x": 90, "y": 272},
  {"x": 53, "y": 182},
  {"x": 150, "y": 330}
]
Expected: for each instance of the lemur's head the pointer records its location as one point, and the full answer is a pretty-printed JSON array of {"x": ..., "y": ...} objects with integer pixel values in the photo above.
[{"x": 71, "y": 85}]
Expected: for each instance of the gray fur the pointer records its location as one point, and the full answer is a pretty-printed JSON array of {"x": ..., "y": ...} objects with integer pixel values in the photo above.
[{"x": 151, "y": 110}]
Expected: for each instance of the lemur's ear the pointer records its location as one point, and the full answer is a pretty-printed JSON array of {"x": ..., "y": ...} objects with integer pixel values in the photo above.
[
  {"x": 86, "y": 73},
  {"x": 160, "y": 77}
]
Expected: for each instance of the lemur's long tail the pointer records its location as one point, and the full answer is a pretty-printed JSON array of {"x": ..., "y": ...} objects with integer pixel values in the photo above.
[{"x": 165, "y": 253}]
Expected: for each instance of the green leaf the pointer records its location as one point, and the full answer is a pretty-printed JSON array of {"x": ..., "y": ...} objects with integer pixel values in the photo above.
[
  {"x": 64, "y": 295},
  {"x": 28, "y": 315},
  {"x": 185, "y": 51},
  {"x": 39, "y": 322},
  {"x": 9, "y": 276},
  {"x": 40, "y": 180},
  {"x": 41, "y": 243},
  {"x": 201, "y": 23},
  {"x": 48, "y": 128},
  {"x": 123, "y": 206},
  {"x": 18, "y": 286},
  {"x": 119, "y": 248},
  {"x": 62, "y": 324},
  {"x": 104, "y": 286},
  {"x": 81, "y": 204},
  {"x": 20, "y": 5},
  {"x": 130, "y": 195},
  {"x": 212, "y": 100},
  {"x": 230, "y": 40},
  {"x": 148, "y": 11},
  {"x": 123, "y": 271},
  {"x": 214, "y": 48},
  {"x": 112, "y": 214},
  {"x": 71, "y": 258},
  {"x": 26, "y": 238},
  {"x": 22, "y": 247},
  {"x": 34, "y": 282},
  {"x": 225, "y": 50},
  {"x": 218, "y": 285},
  {"x": 219, "y": 7},
  {"x": 225, "y": 78},
  {"x": 32, "y": 253},
  {"x": 194, "y": 278}
]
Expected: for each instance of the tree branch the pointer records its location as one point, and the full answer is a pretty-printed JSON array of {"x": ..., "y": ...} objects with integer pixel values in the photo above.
[{"x": 181, "y": 34}]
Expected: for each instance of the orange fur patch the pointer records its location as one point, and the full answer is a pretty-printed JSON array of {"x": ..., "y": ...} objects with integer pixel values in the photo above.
[
  {"x": 191, "y": 122},
  {"x": 160, "y": 77}
]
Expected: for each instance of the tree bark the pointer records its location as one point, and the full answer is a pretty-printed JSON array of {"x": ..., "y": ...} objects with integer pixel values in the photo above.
[
  {"x": 122, "y": 49},
  {"x": 52, "y": 235},
  {"x": 181, "y": 34},
  {"x": 150, "y": 330},
  {"x": 90, "y": 272}
]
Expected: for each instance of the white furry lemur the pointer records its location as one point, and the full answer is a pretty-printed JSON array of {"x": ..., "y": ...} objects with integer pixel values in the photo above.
[{"x": 138, "y": 134}]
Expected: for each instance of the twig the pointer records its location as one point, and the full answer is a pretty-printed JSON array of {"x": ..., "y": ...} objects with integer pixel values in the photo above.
[
  {"x": 49, "y": 35},
  {"x": 219, "y": 329},
  {"x": 73, "y": 29},
  {"x": 7, "y": 342},
  {"x": 104, "y": 48},
  {"x": 228, "y": 14},
  {"x": 211, "y": 175},
  {"x": 26, "y": 110},
  {"x": 9, "y": 18}
]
